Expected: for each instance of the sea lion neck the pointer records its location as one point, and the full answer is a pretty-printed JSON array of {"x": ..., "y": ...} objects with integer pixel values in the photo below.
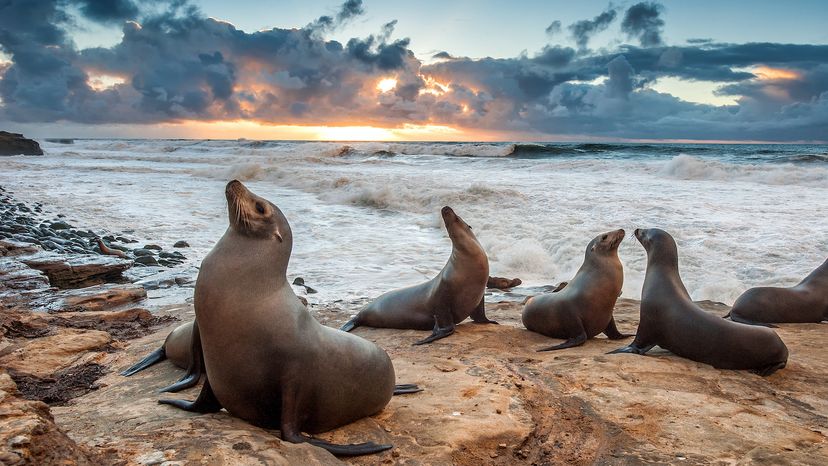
[{"x": 246, "y": 255}]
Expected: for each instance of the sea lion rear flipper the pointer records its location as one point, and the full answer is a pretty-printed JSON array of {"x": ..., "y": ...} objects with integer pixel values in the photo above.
[
  {"x": 205, "y": 403},
  {"x": 612, "y": 331},
  {"x": 152, "y": 358},
  {"x": 632, "y": 348},
  {"x": 572, "y": 342},
  {"x": 351, "y": 324},
  {"x": 402, "y": 389},
  {"x": 195, "y": 367},
  {"x": 291, "y": 432},
  {"x": 478, "y": 315}
]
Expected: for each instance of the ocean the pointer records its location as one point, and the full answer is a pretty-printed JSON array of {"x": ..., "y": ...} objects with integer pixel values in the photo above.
[{"x": 366, "y": 215}]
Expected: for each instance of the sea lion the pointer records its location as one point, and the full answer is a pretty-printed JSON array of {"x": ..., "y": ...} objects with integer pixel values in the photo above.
[
  {"x": 582, "y": 308},
  {"x": 805, "y": 302},
  {"x": 502, "y": 283},
  {"x": 110, "y": 251},
  {"x": 268, "y": 361},
  {"x": 671, "y": 320},
  {"x": 440, "y": 303},
  {"x": 182, "y": 347}
]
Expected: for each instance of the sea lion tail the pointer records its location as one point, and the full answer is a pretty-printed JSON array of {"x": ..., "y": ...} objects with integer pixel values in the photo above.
[
  {"x": 350, "y": 325},
  {"x": 152, "y": 358},
  {"x": 402, "y": 389}
]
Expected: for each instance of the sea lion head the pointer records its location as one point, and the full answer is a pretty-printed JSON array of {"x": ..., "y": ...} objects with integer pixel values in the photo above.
[
  {"x": 256, "y": 217},
  {"x": 658, "y": 244},
  {"x": 606, "y": 243},
  {"x": 459, "y": 231}
]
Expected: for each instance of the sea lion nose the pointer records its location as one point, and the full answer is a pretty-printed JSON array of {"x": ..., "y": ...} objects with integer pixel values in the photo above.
[
  {"x": 446, "y": 210},
  {"x": 637, "y": 231}
]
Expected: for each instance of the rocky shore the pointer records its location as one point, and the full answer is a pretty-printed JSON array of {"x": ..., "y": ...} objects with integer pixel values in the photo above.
[{"x": 71, "y": 318}]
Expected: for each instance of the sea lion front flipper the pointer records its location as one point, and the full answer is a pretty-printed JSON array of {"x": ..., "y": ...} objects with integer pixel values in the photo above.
[
  {"x": 205, "y": 403},
  {"x": 632, "y": 348},
  {"x": 195, "y": 367},
  {"x": 478, "y": 315},
  {"x": 438, "y": 332},
  {"x": 742, "y": 320},
  {"x": 292, "y": 433},
  {"x": 402, "y": 389},
  {"x": 572, "y": 342},
  {"x": 612, "y": 331}
]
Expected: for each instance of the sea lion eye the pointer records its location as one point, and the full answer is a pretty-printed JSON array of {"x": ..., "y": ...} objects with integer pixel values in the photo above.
[
  {"x": 604, "y": 238},
  {"x": 469, "y": 226},
  {"x": 260, "y": 208}
]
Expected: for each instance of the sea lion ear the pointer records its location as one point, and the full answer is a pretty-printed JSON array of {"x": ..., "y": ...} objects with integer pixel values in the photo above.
[{"x": 278, "y": 236}]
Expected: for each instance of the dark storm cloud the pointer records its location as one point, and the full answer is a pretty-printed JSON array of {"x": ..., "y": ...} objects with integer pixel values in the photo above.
[
  {"x": 108, "y": 10},
  {"x": 177, "y": 64},
  {"x": 643, "y": 22},
  {"x": 583, "y": 30},
  {"x": 553, "y": 28}
]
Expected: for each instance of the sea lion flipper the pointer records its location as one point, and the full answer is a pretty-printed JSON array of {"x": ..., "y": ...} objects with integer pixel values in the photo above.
[
  {"x": 741, "y": 320},
  {"x": 351, "y": 324},
  {"x": 353, "y": 449},
  {"x": 572, "y": 342},
  {"x": 612, "y": 331},
  {"x": 440, "y": 331},
  {"x": 403, "y": 389},
  {"x": 152, "y": 358},
  {"x": 632, "y": 348},
  {"x": 205, "y": 403},
  {"x": 479, "y": 314},
  {"x": 195, "y": 366}
]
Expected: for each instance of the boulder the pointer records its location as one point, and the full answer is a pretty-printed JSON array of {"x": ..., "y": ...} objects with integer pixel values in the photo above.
[
  {"x": 16, "y": 144},
  {"x": 77, "y": 270}
]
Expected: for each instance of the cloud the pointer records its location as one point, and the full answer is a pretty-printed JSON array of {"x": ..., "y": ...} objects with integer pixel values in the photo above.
[
  {"x": 643, "y": 21},
  {"x": 174, "y": 64},
  {"x": 553, "y": 28},
  {"x": 583, "y": 30}
]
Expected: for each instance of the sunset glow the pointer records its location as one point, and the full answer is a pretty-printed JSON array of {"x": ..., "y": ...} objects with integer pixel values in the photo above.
[
  {"x": 768, "y": 73},
  {"x": 387, "y": 84}
]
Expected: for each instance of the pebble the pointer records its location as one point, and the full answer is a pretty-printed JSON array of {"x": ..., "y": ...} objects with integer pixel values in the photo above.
[{"x": 181, "y": 244}]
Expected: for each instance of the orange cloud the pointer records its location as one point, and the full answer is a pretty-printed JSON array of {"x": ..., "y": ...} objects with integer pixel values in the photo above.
[{"x": 776, "y": 74}]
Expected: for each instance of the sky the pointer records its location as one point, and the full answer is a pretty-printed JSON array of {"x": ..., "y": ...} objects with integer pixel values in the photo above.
[{"x": 430, "y": 70}]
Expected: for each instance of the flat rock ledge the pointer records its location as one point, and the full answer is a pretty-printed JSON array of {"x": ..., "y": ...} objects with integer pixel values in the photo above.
[{"x": 491, "y": 399}]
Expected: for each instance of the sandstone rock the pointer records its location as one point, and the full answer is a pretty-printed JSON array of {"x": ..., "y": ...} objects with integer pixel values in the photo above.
[
  {"x": 28, "y": 434},
  {"x": 93, "y": 298},
  {"x": 16, "y": 144},
  {"x": 76, "y": 270},
  {"x": 41, "y": 357}
]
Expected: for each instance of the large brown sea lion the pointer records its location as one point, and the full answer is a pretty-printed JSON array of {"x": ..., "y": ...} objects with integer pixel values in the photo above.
[
  {"x": 440, "y": 303},
  {"x": 583, "y": 307},
  {"x": 671, "y": 320},
  {"x": 267, "y": 360},
  {"x": 805, "y": 302}
]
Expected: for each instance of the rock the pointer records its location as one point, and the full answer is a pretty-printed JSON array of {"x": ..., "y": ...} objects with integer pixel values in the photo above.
[
  {"x": 61, "y": 225},
  {"x": 153, "y": 247},
  {"x": 16, "y": 144},
  {"x": 146, "y": 260},
  {"x": 17, "y": 248},
  {"x": 181, "y": 244},
  {"x": 16, "y": 277},
  {"x": 142, "y": 252},
  {"x": 44, "y": 356},
  {"x": 60, "y": 140},
  {"x": 29, "y": 435},
  {"x": 76, "y": 270},
  {"x": 93, "y": 298}
]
